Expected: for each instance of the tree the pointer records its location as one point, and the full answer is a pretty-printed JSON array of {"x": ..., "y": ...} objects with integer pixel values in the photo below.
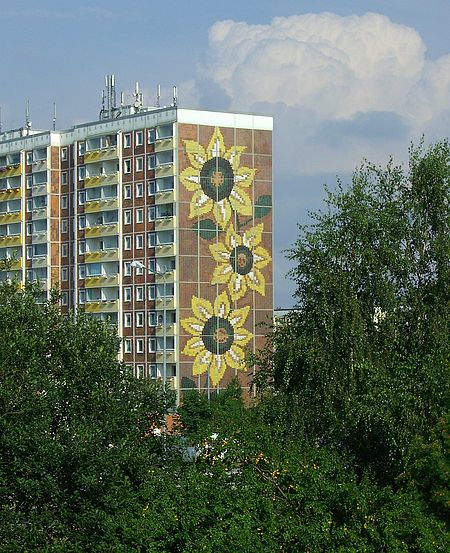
[
  {"x": 364, "y": 360},
  {"x": 74, "y": 429}
]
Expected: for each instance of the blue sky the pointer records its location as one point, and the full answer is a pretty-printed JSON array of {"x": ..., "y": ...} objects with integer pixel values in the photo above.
[{"x": 344, "y": 79}]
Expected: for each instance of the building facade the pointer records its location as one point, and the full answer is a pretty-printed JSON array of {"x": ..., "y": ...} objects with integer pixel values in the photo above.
[{"x": 158, "y": 220}]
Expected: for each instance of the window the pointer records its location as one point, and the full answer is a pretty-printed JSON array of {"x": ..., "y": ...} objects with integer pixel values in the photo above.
[
  {"x": 151, "y": 161},
  {"x": 64, "y": 225},
  {"x": 64, "y": 298},
  {"x": 127, "y": 345},
  {"x": 140, "y": 371},
  {"x": 127, "y": 166},
  {"x": 151, "y": 188},
  {"x": 81, "y": 172},
  {"x": 139, "y": 215},
  {"x": 139, "y": 241},
  {"x": 82, "y": 296},
  {"x": 151, "y": 136},
  {"x": 127, "y": 242},
  {"x": 30, "y": 205},
  {"x": 152, "y": 344},
  {"x": 151, "y": 239},
  {"x": 127, "y": 293},
  {"x": 64, "y": 177},
  {"x": 81, "y": 222},
  {"x": 151, "y": 292},
  {"x": 29, "y": 229},
  {"x": 29, "y": 180},
  {"x": 64, "y": 202},
  {"x": 127, "y": 217},
  {"x": 29, "y": 158},
  {"x": 63, "y": 154},
  {"x": 140, "y": 319},
  {"x": 151, "y": 213},
  {"x": 81, "y": 197},
  {"x": 81, "y": 247},
  {"x": 81, "y": 272},
  {"x": 127, "y": 140},
  {"x": 139, "y": 138},
  {"x": 139, "y": 293},
  {"x": 29, "y": 253},
  {"x": 64, "y": 274},
  {"x": 139, "y": 190},
  {"x": 127, "y": 320},
  {"x": 152, "y": 266},
  {"x": 64, "y": 250},
  {"x": 139, "y": 270},
  {"x": 140, "y": 345},
  {"x": 81, "y": 148},
  {"x": 127, "y": 268},
  {"x": 152, "y": 318},
  {"x": 139, "y": 164},
  {"x": 127, "y": 192}
]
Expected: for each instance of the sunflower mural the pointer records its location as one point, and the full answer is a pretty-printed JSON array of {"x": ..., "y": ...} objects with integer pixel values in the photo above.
[{"x": 221, "y": 205}]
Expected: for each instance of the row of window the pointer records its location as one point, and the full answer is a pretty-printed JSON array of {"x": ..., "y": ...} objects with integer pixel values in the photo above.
[
  {"x": 153, "y": 345},
  {"x": 154, "y": 319}
]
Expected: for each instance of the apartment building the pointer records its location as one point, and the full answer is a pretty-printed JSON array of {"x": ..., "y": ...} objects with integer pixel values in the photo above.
[{"x": 158, "y": 220}]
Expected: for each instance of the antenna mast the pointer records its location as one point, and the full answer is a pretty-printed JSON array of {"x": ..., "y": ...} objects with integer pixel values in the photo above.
[{"x": 54, "y": 116}]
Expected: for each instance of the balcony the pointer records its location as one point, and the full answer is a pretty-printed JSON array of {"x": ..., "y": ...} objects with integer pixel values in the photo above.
[
  {"x": 40, "y": 261},
  {"x": 166, "y": 170},
  {"x": 168, "y": 277},
  {"x": 40, "y": 213},
  {"x": 39, "y": 165},
  {"x": 164, "y": 144},
  {"x": 165, "y": 303},
  {"x": 10, "y": 217},
  {"x": 102, "y": 230},
  {"x": 170, "y": 356},
  {"x": 171, "y": 330},
  {"x": 99, "y": 281},
  {"x": 165, "y": 197},
  {"x": 40, "y": 237},
  {"x": 39, "y": 189},
  {"x": 165, "y": 223},
  {"x": 102, "y": 154},
  {"x": 10, "y": 194},
  {"x": 17, "y": 265},
  {"x": 102, "y": 306},
  {"x": 101, "y": 205},
  {"x": 10, "y": 171},
  {"x": 100, "y": 180},
  {"x": 6, "y": 241},
  {"x": 102, "y": 255},
  {"x": 165, "y": 250}
]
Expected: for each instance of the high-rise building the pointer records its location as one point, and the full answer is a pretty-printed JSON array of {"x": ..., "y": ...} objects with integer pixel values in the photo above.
[{"x": 158, "y": 219}]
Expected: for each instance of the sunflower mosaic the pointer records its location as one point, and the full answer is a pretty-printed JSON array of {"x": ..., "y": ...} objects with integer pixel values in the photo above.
[
  {"x": 222, "y": 187},
  {"x": 218, "y": 336},
  {"x": 240, "y": 260},
  {"x": 218, "y": 182}
]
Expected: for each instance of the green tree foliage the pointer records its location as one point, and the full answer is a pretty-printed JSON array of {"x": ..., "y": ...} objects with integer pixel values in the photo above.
[
  {"x": 364, "y": 360},
  {"x": 74, "y": 442}
]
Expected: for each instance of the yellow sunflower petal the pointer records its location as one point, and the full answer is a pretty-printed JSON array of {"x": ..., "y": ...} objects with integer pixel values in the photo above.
[
  {"x": 222, "y": 274},
  {"x": 202, "y": 309},
  {"x": 220, "y": 253},
  {"x": 241, "y": 201},
  {"x": 222, "y": 212},
  {"x": 200, "y": 204},
  {"x": 196, "y": 153},
  {"x": 202, "y": 362},
  {"x": 237, "y": 286},
  {"x": 261, "y": 257},
  {"x": 192, "y": 325},
  {"x": 256, "y": 281},
  {"x": 231, "y": 238},
  {"x": 233, "y": 155},
  {"x": 244, "y": 176},
  {"x": 238, "y": 316},
  {"x": 216, "y": 146},
  {"x": 222, "y": 305},
  {"x": 190, "y": 178},
  {"x": 242, "y": 336},
  {"x": 217, "y": 369},
  {"x": 253, "y": 236},
  {"x": 235, "y": 357},
  {"x": 194, "y": 346}
]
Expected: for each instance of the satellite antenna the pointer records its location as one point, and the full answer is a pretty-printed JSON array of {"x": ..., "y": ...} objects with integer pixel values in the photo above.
[{"x": 158, "y": 95}]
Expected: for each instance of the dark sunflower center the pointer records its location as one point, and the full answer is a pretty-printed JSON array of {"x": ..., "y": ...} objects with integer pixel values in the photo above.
[
  {"x": 241, "y": 260},
  {"x": 218, "y": 335},
  {"x": 217, "y": 178}
]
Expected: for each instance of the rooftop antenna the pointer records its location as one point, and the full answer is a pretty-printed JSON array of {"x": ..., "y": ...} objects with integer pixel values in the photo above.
[
  {"x": 175, "y": 96},
  {"x": 158, "y": 95},
  {"x": 27, "y": 116},
  {"x": 137, "y": 98},
  {"x": 1, "y": 124},
  {"x": 54, "y": 116}
]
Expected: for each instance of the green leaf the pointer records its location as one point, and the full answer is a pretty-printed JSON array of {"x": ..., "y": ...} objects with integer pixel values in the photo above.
[
  {"x": 206, "y": 229},
  {"x": 263, "y": 206}
]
